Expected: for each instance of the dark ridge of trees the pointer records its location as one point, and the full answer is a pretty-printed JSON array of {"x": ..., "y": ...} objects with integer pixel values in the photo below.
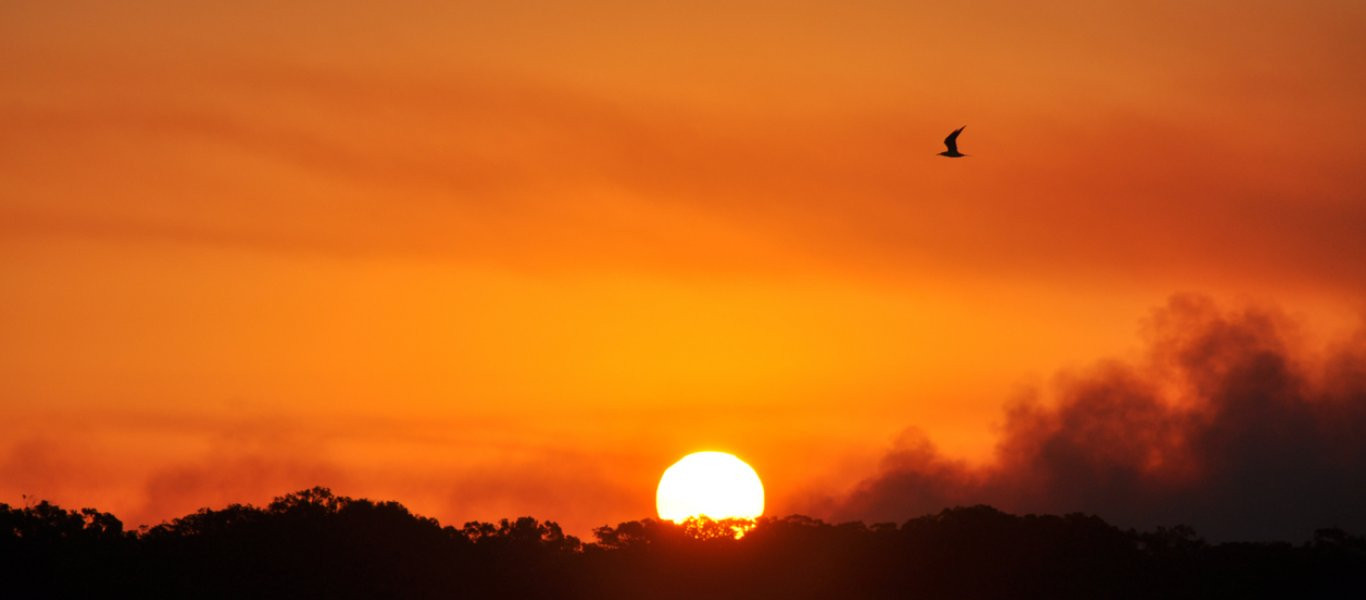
[{"x": 313, "y": 543}]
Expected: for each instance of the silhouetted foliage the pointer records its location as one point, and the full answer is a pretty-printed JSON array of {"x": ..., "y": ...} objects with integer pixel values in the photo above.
[{"x": 314, "y": 543}]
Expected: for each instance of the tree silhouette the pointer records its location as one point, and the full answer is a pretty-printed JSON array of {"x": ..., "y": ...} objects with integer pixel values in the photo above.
[{"x": 313, "y": 543}]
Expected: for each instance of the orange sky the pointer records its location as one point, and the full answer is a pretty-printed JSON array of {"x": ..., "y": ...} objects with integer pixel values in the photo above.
[{"x": 492, "y": 259}]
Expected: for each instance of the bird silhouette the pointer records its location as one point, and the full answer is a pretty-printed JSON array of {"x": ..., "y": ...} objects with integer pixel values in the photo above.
[{"x": 952, "y": 143}]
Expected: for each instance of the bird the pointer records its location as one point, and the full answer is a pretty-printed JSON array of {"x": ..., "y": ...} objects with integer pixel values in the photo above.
[{"x": 952, "y": 143}]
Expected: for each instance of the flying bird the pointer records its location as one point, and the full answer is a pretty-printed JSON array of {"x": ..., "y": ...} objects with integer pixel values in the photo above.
[{"x": 952, "y": 143}]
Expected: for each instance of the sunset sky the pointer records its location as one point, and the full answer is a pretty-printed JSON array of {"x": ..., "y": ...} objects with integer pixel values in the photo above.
[{"x": 493, "y": 259}]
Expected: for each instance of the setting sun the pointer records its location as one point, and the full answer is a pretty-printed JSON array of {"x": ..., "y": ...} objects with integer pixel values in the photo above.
[
  {"x": 710, "y": 484},
  {"x": 415, "y": 298}
]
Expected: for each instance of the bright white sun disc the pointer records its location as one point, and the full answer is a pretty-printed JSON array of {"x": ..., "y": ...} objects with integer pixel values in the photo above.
[{"x": 711, "y": 484}]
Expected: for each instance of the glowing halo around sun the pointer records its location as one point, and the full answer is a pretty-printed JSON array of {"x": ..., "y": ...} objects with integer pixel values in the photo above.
[{"x": 715, "y": 485}]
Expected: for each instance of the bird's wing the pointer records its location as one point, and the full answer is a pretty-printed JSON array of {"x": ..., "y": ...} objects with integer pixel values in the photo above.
[{"x": 952, "y": 140}]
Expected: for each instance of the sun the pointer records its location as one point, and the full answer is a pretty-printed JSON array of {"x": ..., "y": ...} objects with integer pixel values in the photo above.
[{"x": 709, "y": 484}]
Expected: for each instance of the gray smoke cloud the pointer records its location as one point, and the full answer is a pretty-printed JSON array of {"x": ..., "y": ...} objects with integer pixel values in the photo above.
[{"x": 1228, "y": 425}]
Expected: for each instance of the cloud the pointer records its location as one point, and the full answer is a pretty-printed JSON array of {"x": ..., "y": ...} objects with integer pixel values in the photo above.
[
  {"x": 181, "y": 489},
  {"x": 1229, "y": 425},
  {"x": 44, "y": 467},
  {"x": 148, "y": 468},
  {"x": 522, "y": 169}
]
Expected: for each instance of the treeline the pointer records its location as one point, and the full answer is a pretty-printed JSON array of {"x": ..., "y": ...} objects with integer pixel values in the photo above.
[{"x": 314, "y": 544}]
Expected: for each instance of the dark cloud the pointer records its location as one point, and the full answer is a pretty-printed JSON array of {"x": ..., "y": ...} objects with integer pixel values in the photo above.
[{"x": 1229, "y": 425}]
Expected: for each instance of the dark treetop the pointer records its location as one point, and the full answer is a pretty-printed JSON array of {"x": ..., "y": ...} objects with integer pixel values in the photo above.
[{"x": 313, "y": 544}]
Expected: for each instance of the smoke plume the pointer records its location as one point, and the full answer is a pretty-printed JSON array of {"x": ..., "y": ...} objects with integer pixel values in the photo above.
[{"x": 1228, "y": 424}]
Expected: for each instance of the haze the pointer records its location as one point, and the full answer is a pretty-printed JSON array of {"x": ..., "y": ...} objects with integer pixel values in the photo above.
[{"x": 499, "y": 259}]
